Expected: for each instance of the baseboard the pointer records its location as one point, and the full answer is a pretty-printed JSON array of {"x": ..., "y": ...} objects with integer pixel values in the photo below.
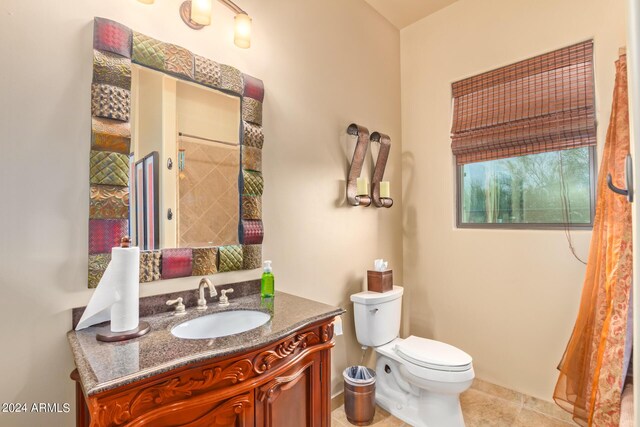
[{"x": 337, "y": 400}]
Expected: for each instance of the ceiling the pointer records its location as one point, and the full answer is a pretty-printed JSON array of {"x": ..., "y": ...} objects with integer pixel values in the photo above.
[{"x": 402, "y": 13}]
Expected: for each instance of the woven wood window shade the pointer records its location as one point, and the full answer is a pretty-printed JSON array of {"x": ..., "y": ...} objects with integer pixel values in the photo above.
[{"x": 538, "y": 105}]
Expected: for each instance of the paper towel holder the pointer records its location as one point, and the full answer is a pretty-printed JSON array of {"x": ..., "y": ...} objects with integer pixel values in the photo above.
[
  {"x": 143, "y": 327},
  {"x": 108, "y": 336}
]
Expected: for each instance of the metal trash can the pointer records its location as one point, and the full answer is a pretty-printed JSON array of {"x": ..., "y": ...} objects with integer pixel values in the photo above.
[{"x": 359, "y": 394}]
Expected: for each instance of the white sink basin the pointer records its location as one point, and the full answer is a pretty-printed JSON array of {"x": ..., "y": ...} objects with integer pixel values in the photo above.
[{"x": 220, "y": 324}]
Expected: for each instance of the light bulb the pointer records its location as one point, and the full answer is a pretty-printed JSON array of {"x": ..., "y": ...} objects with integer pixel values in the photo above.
[
  {"x": 201, "y": 11},
  {"x": 242, "y": 33},
  {"x": 146, "y": 1}
]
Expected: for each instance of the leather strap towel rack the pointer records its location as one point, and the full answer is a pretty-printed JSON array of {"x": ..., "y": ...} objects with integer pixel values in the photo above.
[
  {"x": 378, "y": 172},
  {"x": 356, "y": 165}
]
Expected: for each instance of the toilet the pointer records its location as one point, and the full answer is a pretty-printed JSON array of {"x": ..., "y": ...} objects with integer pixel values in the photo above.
[{"x": 418, "y": 380}]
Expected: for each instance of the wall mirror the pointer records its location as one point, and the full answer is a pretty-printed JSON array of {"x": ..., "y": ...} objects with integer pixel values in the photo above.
[
  {"x": 176, "y": 158},
  {"x": 197, "y": 130}
]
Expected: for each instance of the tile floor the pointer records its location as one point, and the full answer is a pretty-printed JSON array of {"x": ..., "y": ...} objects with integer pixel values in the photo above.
[{"x": 482, "y": 409}]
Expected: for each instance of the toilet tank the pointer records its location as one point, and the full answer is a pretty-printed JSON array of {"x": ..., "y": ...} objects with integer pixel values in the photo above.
[{"x": 377, "y": 316}]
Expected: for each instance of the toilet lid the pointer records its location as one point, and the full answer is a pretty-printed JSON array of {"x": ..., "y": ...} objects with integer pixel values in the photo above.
[{"x": 433, "y": 354}]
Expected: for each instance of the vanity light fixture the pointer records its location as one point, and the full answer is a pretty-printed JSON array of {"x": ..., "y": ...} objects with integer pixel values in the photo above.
[
  {"x": 201, "y": 11},
  {"x": 242, "y": 30},
  {"x": 147, "y": 1},
  {"x": 187, "y": 17},
  {"x": 197, "y": 14}
]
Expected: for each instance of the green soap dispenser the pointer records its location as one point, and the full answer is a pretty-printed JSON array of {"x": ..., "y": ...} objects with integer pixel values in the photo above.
[{"x": 267, "y": 288}]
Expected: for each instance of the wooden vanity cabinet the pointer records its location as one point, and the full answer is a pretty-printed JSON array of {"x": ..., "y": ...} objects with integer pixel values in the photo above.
[
  {"x": 284, "y": 384},
  {"x": 293, "y": 398}
]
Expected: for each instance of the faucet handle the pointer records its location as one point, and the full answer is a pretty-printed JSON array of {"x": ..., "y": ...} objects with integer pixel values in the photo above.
[
  {"x": 180, "y": 309},
  {"x": 224, "y": 299}
]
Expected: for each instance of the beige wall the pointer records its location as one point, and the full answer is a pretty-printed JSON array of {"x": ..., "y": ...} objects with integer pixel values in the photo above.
[
  {"x": 509, "y": 298},
  {"x": 324, "y": 64}
]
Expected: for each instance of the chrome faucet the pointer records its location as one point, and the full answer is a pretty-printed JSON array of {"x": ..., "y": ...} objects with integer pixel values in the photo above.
[{"x": 205, "y": 283}]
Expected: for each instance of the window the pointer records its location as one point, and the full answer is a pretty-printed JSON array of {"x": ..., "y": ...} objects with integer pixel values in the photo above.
[
  {"x": 546, "y": 188},
  {"x": 524, "y": 140}
]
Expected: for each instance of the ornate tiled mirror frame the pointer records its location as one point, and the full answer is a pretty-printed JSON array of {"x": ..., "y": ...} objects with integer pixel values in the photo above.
[{"x": 115, "y": 48}]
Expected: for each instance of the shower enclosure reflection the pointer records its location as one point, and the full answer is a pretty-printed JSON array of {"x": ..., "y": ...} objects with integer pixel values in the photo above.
[{"x": 185, "y": 163}]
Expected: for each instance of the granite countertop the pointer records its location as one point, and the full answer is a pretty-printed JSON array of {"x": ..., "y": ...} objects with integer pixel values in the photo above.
[{"x": 104, "y": 366}]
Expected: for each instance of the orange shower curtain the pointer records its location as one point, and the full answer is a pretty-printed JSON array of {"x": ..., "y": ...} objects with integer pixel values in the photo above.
[{"x": 591, "y": 370}]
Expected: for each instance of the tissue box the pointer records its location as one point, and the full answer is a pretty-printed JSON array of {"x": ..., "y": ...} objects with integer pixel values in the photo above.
[{"x": 379, "y": 281}]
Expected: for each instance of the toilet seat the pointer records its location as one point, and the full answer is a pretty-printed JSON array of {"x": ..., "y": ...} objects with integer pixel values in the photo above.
[{"x": 432, "y": 354}]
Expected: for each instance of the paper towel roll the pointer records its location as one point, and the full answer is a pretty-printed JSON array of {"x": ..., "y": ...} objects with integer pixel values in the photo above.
[
  {"x": 124, "y": 312},
  {"x": 117, "y": 296}
]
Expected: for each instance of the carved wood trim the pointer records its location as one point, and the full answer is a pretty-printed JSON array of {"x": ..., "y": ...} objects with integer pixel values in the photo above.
[
  {"x": 173, "y": 389},
  {"x": 177, "y": 387},
  {"x": 196, "y": 411},
  {"x": 271, "y": 390},
  {"x": 225, "y": 414},
  {"x": 134, "y": 403},
  {"x": 327, "y": 332},
  {"x": 265, "y": 360}
]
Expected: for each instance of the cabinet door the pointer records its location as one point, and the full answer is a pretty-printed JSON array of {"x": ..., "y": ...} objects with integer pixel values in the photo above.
[
  {"x": 237, "y": 411},
  {"x": 294, "y": 398},
  {"x": 234, "y": 412}
]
